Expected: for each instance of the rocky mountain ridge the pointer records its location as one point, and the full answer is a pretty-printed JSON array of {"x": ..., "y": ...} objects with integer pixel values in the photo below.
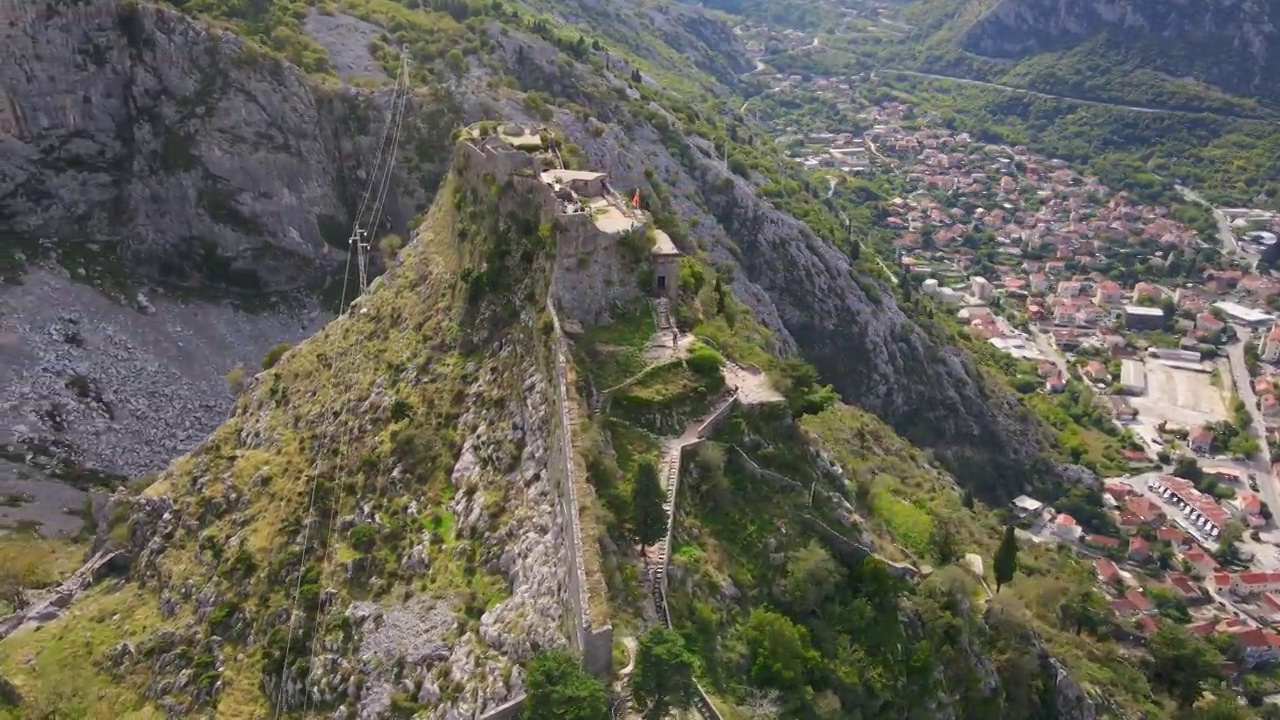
[
  {"x": 1233, "y": 44},
  {"x": 176, "y": 61},
  {"x": 357, "y": 537},
  {"x": 445, "y": 573}
]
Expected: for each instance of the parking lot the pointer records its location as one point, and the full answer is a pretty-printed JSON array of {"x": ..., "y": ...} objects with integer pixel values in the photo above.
[
  {"x": 1185, "y": 398},
  {"x": 1266, "y": 553},
  {"x": 1176, "y": 516}
]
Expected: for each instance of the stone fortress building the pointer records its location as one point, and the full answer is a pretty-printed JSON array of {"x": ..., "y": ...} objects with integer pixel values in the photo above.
[{"x": 603, "y": 242}]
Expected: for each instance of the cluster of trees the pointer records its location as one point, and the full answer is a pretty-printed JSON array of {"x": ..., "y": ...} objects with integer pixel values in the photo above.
[
  {"x": 662, "y": 680},
  {"x": 1075, "y": 412}
]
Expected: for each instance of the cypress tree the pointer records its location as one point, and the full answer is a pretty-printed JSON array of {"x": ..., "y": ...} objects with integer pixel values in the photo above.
[
  {"x": 1006, "y": 563},
  {"x": 648, "y": 519}
]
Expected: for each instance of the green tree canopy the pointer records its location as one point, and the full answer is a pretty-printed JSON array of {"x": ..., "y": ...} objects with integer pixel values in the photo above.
[
  {"x": 1181, "y": 664},
  {"x": 778, "y": 650},
  {"x": 648, "y": 519},
  {"x": 945, "y": 538},
  {"x": 557, "y": 688},
  {"x": 1084, "y": 608},
  {"x": 1006, "y": 562},
  {"x": 662, "y": 680},
  {"x": 812, "y": 577}
]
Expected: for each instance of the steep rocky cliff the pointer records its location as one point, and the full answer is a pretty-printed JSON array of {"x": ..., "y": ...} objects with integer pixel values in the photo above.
[
  {"x": 1230, "y": 43},
  {"x": 140, "y": 140},
  {"x": 143, "y": 152},
  {"x": 849, "y": 326},
  {"x": 375, "y": 528}
]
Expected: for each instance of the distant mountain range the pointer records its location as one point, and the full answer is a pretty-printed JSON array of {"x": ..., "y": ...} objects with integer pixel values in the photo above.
[{"x": 1232, "y": 45}]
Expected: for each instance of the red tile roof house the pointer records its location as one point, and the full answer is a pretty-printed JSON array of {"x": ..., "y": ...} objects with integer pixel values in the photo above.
[
  {"x": 1129, "y": 522},
  {"x": 1108, "y": 571},
  {"x": 1253, "y": 583},
  {"x": 1189, "y": 590},
  {"x": 1066, "y": 527},
  {"x": 1258, "y": 646},
  {"x": 1124, "y": 608},
  {"x": 1118, "y": 489},
  {"x": 1173, "y": 536},
  {"x": 1140, "y": 601},
  {"x": 1200, "y": 507},
  {"x": 1096, "y": 371},
  {"x": 1139, "y": 550},
  {"x": 1145, "y": 508},
  {"x": 1055, "y": 384},
  {"x": 1102, "y": 542},
  {"x": 1202, "y": 561},
  {"x": 1249, "y": 508}
]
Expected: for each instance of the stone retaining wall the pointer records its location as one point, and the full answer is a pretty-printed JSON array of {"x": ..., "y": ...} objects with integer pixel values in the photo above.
[
  {"x": 487, "y": 163},
  {"x": 591, "y": 636},
  {"x": 509, "y": 711}
]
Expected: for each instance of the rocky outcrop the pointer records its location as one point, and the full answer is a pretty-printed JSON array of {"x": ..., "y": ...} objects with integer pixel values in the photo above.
[
  {"x": 147, "y": 145},
  {"x": 1230, "y": 43},
  {"x": 51, "y": 606},
  {"x": 146, "y": 155}
]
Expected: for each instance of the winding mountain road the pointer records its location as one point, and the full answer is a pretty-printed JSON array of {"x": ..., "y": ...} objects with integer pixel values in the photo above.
[
  {"x": 1081, "y": 101},
  {"x": 1225, "y": 235}
]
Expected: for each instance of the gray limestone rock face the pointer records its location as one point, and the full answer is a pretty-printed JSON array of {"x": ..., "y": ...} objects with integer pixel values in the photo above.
[
  {"x": 138, "y": 142},
  {"x": 150, "y": 156},
  {"x": 1233, "y": 44}
]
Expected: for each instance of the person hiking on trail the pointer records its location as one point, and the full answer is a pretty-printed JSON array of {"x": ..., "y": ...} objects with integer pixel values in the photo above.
[{"x": 675, "y": 338}]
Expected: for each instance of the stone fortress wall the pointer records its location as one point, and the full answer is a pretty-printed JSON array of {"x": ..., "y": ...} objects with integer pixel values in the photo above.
[{"x": 494, "y": 156}]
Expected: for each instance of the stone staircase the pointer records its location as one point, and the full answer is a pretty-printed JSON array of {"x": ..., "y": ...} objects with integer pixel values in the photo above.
[
  {"x": 662, "y": 314},
  {"x": 668, "y": 474}
]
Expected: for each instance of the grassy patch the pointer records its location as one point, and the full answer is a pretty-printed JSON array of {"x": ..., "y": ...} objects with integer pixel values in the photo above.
[
  {"x": 904, "y": 491},
  {"x": 37, "y": 562},
  {"x": 910, "y": 525},
  {"x": 614, "y": 353},
  {"x": 58, "y": 667},
  {"x": 666, "y": 397},
  {"x": 631, "y": 444}
]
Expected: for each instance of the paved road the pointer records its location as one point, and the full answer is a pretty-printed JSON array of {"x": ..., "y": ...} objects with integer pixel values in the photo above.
[
  {"x": 1225, "y": 235},
  {"x": 1261, "y": 463},
  {"x": 871, "y": 145},
  {"x": 1045, "y": 344},
  {"x": 1081, "y": 101}
]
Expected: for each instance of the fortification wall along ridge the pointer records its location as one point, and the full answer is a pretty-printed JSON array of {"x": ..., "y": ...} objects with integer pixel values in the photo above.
[{"x": 489, "y": 161}]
